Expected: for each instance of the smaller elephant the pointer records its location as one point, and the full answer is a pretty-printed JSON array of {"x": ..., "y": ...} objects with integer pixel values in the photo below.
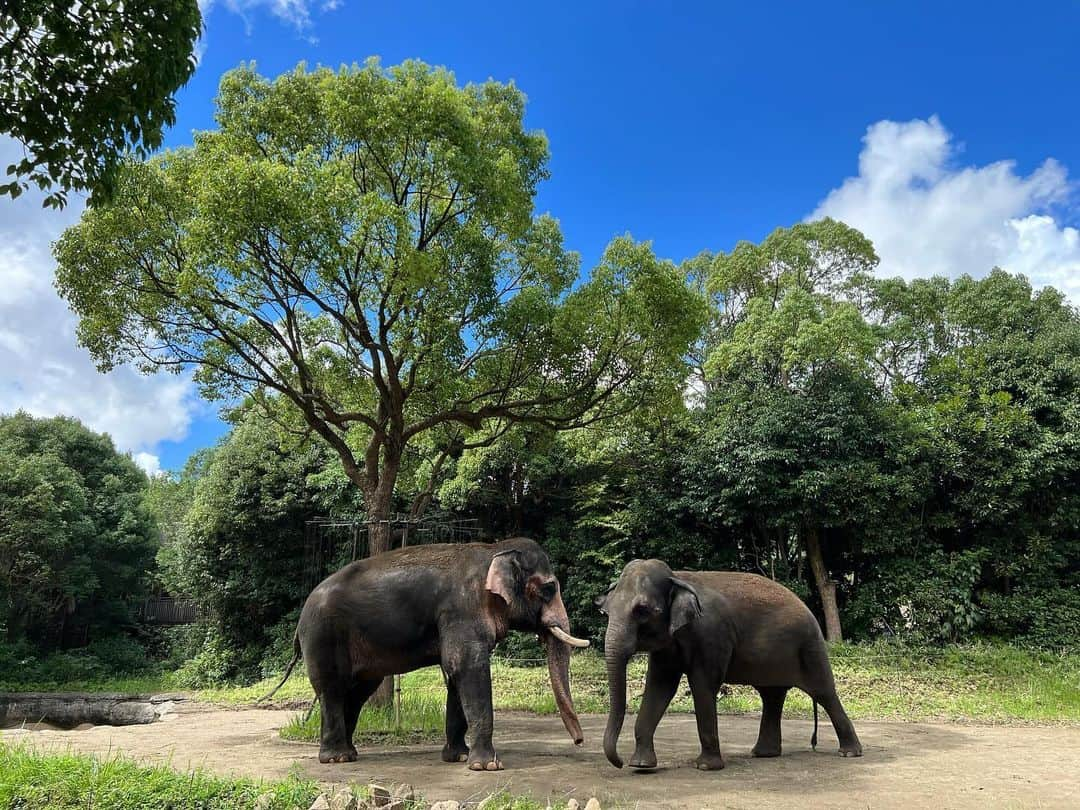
[{"x": 715, "y": 627}]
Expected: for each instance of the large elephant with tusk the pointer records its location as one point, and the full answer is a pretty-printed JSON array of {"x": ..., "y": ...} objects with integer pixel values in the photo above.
[{"x": 436, "y": 604}]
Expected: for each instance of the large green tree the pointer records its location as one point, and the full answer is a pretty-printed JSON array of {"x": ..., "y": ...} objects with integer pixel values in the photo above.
[
  {"x": 83, "y": 83},
  {"x": 360, "y": 248},
  {"x": 788, "y": 334},
  {"x": 76, "y": 543},
  {"x": 989, "y": 370}
]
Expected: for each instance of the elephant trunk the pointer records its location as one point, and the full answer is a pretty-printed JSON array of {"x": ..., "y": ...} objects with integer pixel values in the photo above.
[
  {"x": 617, "y": 654},
  {"x": 558, "y": 659}
]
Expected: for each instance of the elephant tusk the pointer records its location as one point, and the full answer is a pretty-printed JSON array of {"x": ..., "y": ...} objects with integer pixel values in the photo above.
[{"x": 566, "y": 638}]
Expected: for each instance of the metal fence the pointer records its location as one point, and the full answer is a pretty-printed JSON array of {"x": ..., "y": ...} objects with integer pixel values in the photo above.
[
  {"x": 330, "y": 543},
  {"x": 169, "y": 610}
]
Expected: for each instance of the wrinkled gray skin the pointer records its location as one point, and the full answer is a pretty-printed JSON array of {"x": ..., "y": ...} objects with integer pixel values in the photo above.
[
  {"x": 426, "y": 605},
  {"x": 715, "y": 627}
]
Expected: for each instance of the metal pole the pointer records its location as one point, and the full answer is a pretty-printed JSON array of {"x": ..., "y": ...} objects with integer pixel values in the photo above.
[
  {"x": 397, "y": 678},
  {"x": 397, "y": 703}
]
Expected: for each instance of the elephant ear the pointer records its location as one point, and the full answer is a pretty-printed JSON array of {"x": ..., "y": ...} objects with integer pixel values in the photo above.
[
  {"x": 685, "y": 606},
  {"x": 602, "y": 600},
  {"x": 502, "y": 575}
]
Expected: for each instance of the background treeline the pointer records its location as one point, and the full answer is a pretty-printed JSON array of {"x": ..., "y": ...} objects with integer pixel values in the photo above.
[{"x": 904, "y": 455}]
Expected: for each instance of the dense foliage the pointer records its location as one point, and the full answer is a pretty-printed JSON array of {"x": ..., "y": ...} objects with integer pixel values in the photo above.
[
  {"x": 240, "y": 549},
  {"x": 76, "y": 543},
  {"x": 82, "y": 84},
  {"x": 920, "y": 437}
]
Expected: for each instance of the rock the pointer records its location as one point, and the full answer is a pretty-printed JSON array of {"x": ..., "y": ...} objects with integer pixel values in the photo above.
[
  {"x": 447, "y": 805},
  {"x": 573, "y": 804},
  {"x": 344, "y": 800},
  {"x": 320, "y": 803},
  {"x": 592, "y": 804},
  {"x": 405, "y": 793},
  {"x": 380, "y": 796}
]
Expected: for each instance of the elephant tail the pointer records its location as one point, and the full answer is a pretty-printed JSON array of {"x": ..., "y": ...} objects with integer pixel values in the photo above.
[
  {"x": 288, "y": 670},
  {"x": 311, "y": 709},
  {"x": 813, "y": 737}
]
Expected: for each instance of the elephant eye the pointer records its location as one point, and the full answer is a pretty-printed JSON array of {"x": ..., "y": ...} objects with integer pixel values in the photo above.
[{"x": 547, "y": 591}]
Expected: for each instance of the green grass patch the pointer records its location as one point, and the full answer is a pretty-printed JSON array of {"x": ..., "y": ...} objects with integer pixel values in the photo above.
[
  {"x": 420, "y": 720},
  {"x": 32, "y": 780},
  {"x": 128, "y": 685},
  {"x": 989, "y": 683},
  {"x": 975, "y": 682}
]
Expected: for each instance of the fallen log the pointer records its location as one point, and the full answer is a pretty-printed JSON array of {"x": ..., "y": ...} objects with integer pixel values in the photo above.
[{"x": 70, "y": 709}]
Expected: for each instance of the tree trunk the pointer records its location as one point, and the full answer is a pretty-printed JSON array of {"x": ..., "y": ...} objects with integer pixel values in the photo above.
[
  {"x": 826, "y": 587},
  {"x": 377, "y": 503}
]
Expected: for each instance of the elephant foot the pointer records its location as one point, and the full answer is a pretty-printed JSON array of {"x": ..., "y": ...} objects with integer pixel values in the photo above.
[
  {"x": 709, "y": 761},
  {"x": 851, "y": 749},
  {"x": 458, "y": 752},
  {"x": 643, "y": 759},
  {"x": 766, "y": 750},
  {"x": 480, "y": 760},
  {"x": 331, "y": 755}
]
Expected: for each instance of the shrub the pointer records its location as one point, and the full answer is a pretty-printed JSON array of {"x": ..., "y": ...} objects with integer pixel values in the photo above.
[
  {"x": 1048, "y": 619},
  {"x": 23, "y": 666},
  {"x": 213, "y": 665}
]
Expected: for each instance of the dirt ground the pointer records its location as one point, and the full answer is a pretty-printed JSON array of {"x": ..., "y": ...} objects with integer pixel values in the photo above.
[{"x": 906, "y": 764}]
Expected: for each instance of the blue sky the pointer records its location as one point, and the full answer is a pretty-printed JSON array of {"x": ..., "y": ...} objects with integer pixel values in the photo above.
[{"x": 946, "y": 131}]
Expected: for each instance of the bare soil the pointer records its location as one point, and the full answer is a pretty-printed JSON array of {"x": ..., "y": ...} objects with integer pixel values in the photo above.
[{"x": 906, "y": 765}]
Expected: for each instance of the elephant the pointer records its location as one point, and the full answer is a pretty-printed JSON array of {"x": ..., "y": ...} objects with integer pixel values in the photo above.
[
  {"x": 715, "y": 627},
  {"x": 445, "y": 604}
]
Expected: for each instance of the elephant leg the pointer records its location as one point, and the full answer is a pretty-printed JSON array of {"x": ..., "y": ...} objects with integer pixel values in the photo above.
[
  {"x": 845, "y": 731},
  {"x": 334, "y": 745},
  {"x": 704, "y": 690},
  {"x": 772, "y": 707},
  {"x": 469, "y": 668},
  {"x": 455, "y": 749},
  {"x": 661, "y": 681},
  {"x": 355, "y": 699}
]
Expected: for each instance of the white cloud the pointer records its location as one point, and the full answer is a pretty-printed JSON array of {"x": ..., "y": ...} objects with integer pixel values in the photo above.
[
  {"x": 927, "y": 215},
  {"x": 149, "y": 463},
  {"x": 296, "y": 13},
  {"x": 42, "y": 369}
]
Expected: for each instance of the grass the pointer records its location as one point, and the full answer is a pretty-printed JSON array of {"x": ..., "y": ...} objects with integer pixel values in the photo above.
[
  {"x": 995, "y": 683},
  {"x": 128, "y": 685},
  {"x": 30, "y": 780},
  {"x": 33, "y": 780},
  {"x": 988, "y": 683},
  {"x": 421, "y": 721}
]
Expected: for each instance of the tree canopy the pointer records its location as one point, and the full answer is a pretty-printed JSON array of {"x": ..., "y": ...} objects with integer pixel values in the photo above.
[
  {"x": 82, "y": 84},
  {"x": 76, "y": 543},
  {"x": 357, "y": 251}
]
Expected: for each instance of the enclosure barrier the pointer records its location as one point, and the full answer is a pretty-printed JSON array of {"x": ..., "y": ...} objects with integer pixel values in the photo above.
[{"x": 168, "y": 610}]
